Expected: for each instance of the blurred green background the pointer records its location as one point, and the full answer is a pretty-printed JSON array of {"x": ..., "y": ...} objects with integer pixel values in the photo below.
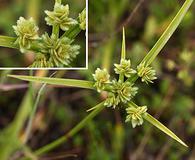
[
  {"x": 108, "y": 137},
  {"x": 11, "y": 10}
]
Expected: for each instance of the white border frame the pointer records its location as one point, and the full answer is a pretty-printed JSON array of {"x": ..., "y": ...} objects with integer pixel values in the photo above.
[{"x": 73, "y": 68}]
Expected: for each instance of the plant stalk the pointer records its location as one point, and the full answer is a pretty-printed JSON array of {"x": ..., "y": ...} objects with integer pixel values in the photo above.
[
  {"x": 72, "y": 32},
  {"x": 34, "y": 109}
]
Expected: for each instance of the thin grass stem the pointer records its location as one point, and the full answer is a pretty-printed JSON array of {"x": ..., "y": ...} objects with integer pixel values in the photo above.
[{"x": 71, "y": 133}]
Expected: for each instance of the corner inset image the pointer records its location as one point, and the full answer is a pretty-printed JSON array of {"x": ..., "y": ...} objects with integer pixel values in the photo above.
[{"x": 35, "y": 36}]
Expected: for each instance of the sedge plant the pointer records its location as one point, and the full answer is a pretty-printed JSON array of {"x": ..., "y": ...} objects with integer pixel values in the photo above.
[
  {"x": 120, "y": 91},
  {"x": 51, "y": 50}
]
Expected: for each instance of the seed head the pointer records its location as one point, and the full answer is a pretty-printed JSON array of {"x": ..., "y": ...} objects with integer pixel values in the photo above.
[
  {"x": 121, "y": 93},
  {"x": 60, "y": 52},
  {"x": 101, "y": 77},
  {"x": 146, "y": 73},
  {"x": 41, "y": 61},
  {"x": 60, "y": 17},
  {"x": 124, "y": 68},
  {"x": 135, "y": 115},
  {"x": 27, "y": 31}
]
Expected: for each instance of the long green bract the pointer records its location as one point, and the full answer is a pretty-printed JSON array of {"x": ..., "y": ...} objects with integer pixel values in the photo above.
[{"x": 57, "y": 81}]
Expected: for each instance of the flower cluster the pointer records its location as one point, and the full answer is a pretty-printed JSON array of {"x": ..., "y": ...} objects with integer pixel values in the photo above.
[
  {"x": 27, "y": 31},
  {"x": 146, "y": 73},
  {"x": 124, "y": 68},
  {"x": 60, "y": 17},
  {"x": 118, "y": 92},
  {"x": 122, "y": 91},
  {"x": 135, "y": 115},
  {"x": 51, "y": 51},
  {"x": 41, "y": 61},
  {"x": 59, "y": 51},
  {"x": 102, "y": 78}
]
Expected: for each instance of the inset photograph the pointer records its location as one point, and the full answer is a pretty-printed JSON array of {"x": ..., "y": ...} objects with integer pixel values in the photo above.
[{"x": 43, "y": 34}]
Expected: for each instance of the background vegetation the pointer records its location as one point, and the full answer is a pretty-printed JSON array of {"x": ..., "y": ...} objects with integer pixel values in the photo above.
[{"x": 170, "y": 98}]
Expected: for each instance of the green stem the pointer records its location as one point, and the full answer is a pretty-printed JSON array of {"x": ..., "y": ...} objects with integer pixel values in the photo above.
[
  {"x": 34, "y": 109},
  {"x": 149, "y": 58},
  {"x": 108, "y": 48},
  {"x": 56, "y": 30},
  {"x": 76, "y": 129},
  {"x": 6, "y": 41},
  {"x": 33, "y": 8},
  {"x": 72, "y": 32},
  {"x": 133, "y": 78}
]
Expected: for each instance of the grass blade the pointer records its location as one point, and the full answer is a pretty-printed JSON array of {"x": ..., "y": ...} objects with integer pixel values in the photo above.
[
  {"x": 163, "y": 128},
  {"x": 72, "y": 32},
  {"x": 123, "y": 54},
  {"x": 57, "y": 81},
  {"x": 123, "y": 50},
  {"x": 6, "y": 41},
  {"x": 168, "y": 33}
]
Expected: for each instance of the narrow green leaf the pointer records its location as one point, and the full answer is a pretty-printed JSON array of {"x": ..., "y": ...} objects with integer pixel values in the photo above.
[
  {"x": 163, "y": 128},
  {"x": 167, "y": 34},
  {"x": 56, "y": 30},
  {"x": 6, "y": 41},
  {"x": 72, "y": 32},
  {"x": 123, "y": 50},
  {"x": 57, "y": 81},
  {"x": 123, "y": 54}
]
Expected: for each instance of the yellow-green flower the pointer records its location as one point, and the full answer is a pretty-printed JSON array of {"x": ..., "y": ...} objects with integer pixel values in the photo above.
[
  {"x": 112, "y": 100},
  {"x": 41, "y": 61},
  {"x": 101, "y": 77},
  {"x": 124, "y": 68},
  {"x": 120, "y": 93},
  {"x": 135, "y": 115},
  {"x": 146, "y": 73},
  {"x": 60, "y": 17},
  {"x": 60, "y": 52},
  {"x": 27, "y": 31}
]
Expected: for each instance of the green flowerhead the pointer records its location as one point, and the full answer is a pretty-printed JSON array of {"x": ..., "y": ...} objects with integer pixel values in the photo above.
[
  {"x": 82, "y": 19},
  {"x": 124, "y": 68},
  {"x": 146, "y": 73},
  {"x": 135, "y": 115},
  {"x": 112, "y": 100},
  {"x": 60, "y": 52},
  {"x": 101, "y": 77},
  {"x": 121, "y": 92},
  {"x": 60, "y": 17},
  {"x": 26, "y": 30},
  {"x": 41, "y": 61}
]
